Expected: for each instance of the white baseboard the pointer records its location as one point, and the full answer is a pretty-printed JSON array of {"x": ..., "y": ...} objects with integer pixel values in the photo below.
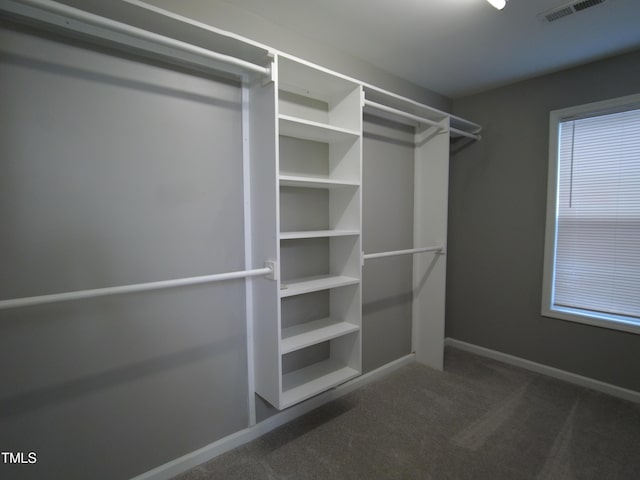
[
  {"x": 591, "y": 383},
  {"x": 193, "y": 459}
]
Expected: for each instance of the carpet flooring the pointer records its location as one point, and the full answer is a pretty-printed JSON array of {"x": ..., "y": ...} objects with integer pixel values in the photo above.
[{"x": 479, "y": 419}]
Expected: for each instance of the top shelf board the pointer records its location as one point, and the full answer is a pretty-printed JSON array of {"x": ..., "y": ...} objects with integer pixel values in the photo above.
[{"x": 302, "y": 79}]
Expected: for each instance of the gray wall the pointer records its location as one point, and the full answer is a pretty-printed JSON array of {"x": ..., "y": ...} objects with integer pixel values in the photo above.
[
  {"x": 115, "y": 172},
  {"x": 497, "y": 210},
  {"x": 387, "y": 224}
]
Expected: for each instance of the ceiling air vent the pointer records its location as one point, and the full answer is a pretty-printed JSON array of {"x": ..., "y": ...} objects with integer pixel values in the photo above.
[
  {"x": 586, "y": 4},
  {"x": 567, "y": 9}
]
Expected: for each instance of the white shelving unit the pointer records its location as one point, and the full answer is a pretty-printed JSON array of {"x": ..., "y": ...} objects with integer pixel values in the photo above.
[
  {"x": 319, "y": 171},
  {"x": 302, "y": 166},
  {"x": 307, "y": 216}
]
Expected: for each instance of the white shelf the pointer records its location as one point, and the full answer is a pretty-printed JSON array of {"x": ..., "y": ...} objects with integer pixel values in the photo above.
[
  {"x": 317, "y": 234},
  {"x": 311, "y": 333},
  {"x": 314, "y": 182},
  {"x": 314, "y": 284},
  {"x": 307, "y": 382},
  {"x": 314, "y": 131},
  {"x": 310, "y": 81}
]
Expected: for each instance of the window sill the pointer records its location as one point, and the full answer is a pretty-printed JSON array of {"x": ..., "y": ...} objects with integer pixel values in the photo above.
[{"x": 612, "y": 322}]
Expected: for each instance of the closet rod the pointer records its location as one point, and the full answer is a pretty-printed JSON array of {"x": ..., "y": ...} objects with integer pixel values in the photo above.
[
  {"x": 400, "y": 113},
  {"x": 465, "y": 134},
  {"x": 416, "y": 118},
  {"x": 44, "y": 9},
  {"x": 409, "y": 251},
  {"x": 138, "y": 287}
]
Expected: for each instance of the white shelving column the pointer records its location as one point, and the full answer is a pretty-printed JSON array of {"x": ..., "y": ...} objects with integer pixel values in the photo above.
[
  {"x": 312, "y": 342},
  {"x": 308, "y": 197},
  {"x": 431, "y": 177},
  {"x": 263, "y": 147}
]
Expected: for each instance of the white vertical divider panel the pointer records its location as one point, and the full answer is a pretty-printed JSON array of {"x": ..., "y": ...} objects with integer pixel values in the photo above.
[
  {"x": 430, "y": 228},
  {"x": 248, "y": 253},
  {"x": 265, "y": 223}
]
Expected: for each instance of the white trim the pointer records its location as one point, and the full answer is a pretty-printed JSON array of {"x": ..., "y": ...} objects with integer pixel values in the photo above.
[
  {"x": 602, "y": 107},
  {"x": 550, "y": 225},
  {"x": 204, "y": 454},
  {"x": 603, "y": 320},
  {"x": 573, "y": 378}
]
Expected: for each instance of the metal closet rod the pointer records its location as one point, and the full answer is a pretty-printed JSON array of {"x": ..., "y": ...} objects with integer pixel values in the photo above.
[
  {"x": 135, "y": 288},
  {"x": 462, "y": 133},
  {"x": 416, "y": 118},
  {"x": 394, "y": 253},
  {"x": 138, "y": 33}
]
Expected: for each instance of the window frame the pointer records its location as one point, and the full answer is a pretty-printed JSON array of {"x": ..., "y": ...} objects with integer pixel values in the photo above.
[{"x": 556, "y": 117}]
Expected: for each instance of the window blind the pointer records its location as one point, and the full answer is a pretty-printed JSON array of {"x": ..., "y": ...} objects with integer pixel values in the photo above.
[{"x": 597, "y": 264}]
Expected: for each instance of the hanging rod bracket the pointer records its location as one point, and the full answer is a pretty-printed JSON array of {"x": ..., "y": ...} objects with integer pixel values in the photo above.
[
  {"x": 272, "y": 73},
  {"x": 271, "y": 265}
]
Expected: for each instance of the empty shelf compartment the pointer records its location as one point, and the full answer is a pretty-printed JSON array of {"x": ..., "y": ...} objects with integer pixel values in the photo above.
[
  {"x": 309, "y": 381},
  {"x": 310, "y": 333}
]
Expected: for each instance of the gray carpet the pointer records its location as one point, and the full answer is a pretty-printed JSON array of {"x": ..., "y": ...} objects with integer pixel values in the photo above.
[{"x": 480, "y": 419}]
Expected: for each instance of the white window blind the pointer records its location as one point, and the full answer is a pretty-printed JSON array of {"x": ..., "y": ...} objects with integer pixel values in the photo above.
[{"x": 597, "y": 245}]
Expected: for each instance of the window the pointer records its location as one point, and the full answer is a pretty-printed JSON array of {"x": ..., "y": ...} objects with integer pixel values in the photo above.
[{"x": 592, "y": 250}]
